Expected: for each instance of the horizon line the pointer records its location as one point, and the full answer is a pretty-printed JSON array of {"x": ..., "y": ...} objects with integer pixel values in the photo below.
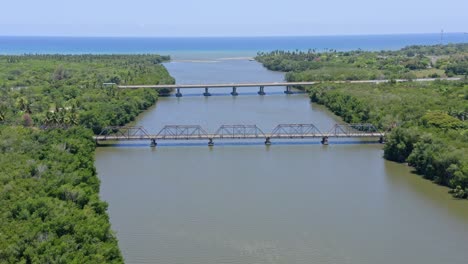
[{"x": 227, "y": 36}]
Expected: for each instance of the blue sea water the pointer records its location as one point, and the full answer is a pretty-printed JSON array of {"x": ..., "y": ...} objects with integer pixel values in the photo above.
[{"x": 215, "y": 47}]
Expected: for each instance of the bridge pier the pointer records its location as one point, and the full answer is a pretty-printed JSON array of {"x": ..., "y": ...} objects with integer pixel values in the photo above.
[
  {"x": 267, "y": 141},
  {"x": 381, "y": 140},
  {"x": 261, "y": 91},
  {"x": 288, "y": 90},
  {"x": 234, "y": 91},
  {"x": 153, "y": 143},
  {"x": 210, "y": 142},
  {"x": 178, "y": 94},
  {"x": 206, "y": 93},
  {"x": 324, "y": 141}
]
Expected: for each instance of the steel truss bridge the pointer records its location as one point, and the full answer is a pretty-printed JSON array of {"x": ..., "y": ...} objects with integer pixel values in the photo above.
[{"x": 239, "y": 132}]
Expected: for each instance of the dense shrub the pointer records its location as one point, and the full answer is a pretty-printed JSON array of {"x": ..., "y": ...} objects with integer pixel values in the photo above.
[
  {"x": 50, "y": 105},
  {"x": 49, "y": 204},
  {"x": 408, "y": 63},
  {"x": 432, "y": 136}
]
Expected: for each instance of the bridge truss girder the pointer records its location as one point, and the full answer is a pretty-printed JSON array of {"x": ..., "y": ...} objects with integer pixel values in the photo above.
[
  {"x": 127, "y": 132},
  {"x": 295, "y": 131},
  {"x": 239, "y": 131},
  {"x": 182, "y": 132},
  {"x": 353, "y": 130}
]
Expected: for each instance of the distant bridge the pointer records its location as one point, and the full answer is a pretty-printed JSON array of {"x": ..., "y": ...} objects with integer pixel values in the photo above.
[
  {"x": 282, "y": 131},
  {"x": 234, "y": 86},
  {"x": 261, "y": 85}
]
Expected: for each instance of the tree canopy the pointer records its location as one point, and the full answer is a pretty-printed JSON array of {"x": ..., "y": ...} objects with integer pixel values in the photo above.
[
  {"x": 50, "y": 105},
  {"x": 427, "y": 122},
  {"x": 408, "y": 63}
]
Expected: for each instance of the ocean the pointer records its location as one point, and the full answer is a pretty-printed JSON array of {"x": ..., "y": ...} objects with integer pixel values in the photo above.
[{"x": 215, "y": 47}]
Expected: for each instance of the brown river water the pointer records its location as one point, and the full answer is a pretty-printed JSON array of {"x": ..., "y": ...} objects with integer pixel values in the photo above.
[{"x": 291, "y": 202}]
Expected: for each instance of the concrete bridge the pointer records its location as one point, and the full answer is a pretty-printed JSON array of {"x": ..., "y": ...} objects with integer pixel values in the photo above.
[
  {"x": 234, "y": 86},
  {"x": 239, "y": 132},
  {"x": 261, "y": 85}
]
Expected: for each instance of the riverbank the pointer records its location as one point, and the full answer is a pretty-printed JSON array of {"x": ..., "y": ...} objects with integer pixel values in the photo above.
[
  {"x": 427, "y": 122},
  {"x": 50, "y": 106}
]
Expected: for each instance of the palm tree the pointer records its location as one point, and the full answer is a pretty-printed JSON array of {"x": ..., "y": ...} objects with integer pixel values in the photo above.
[
  {"x": 3, "y": 111},
  {"x": 73, "y": 115},
  {"x": 23, "y": 104},
  {"x": 49, "y": 118}
]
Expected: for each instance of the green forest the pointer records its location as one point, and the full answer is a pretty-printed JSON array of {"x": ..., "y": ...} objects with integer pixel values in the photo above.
[
  {"x": 408, "y": 63},
  {"x": 426, "y": 122},
  {"x": 50, "y": 106}
]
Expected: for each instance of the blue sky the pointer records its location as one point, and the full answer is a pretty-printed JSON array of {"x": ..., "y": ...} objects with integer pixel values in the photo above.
[{"x": 230, "y": 18}]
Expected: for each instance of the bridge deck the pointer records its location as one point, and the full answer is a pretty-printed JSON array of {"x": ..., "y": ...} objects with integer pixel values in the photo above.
[
  {"x": 242, "y": 131},
  {"x": 219, "y": 85},
  {"x": 267, "y": 84},
  {"x": 213, "y": 136}
]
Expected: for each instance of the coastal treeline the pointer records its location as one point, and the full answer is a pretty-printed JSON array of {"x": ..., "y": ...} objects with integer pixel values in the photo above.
[
  {"x": 50, "y": 106},
  {"x": 427, "y": 123},
  {"x": 408, "y": 63}
]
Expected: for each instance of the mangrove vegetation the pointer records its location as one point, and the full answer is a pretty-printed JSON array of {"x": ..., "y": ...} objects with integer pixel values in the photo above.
[
  {"x": 50, "y": 106},
  {"x": 408, "y": 63},
  {"x": 427, "y": 123}
]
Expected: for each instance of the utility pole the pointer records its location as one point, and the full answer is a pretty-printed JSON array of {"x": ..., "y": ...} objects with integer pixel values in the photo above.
[{"x": 441, "y": 36}]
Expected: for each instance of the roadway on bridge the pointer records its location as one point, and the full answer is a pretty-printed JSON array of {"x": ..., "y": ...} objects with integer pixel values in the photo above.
[{"x": 268, "y": 84}]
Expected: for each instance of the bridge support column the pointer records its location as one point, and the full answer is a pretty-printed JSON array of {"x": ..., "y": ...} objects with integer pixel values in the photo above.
[
  {"x": 153, "y": 143},
  {"x": 324, "y": 141},
  {"x": 234, "y": 91},
  {"x": 288, "y": 90},
  {"x": 261, "y": 91},
  {"x": 267, "y": 141},
  {"x": 381, "y": 140},
  {"x": 206, "y": 93},
  {"x": 210, "y": 142},
  {"x": 178, "y": 94}
]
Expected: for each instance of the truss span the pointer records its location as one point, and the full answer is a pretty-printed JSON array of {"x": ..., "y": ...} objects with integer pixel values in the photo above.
[
  {"x": 187, "y": 132},
  {"x": 124, "y": 132},
  {"x": 354, "y": 130},
  {"x": 282, "y": 131},
  {"x": 296, "y": 131},
  {"x": 239, "y": 131}
]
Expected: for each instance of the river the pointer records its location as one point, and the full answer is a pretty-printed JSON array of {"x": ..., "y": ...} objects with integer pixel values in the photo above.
[{"x": 286, "y": 203}]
